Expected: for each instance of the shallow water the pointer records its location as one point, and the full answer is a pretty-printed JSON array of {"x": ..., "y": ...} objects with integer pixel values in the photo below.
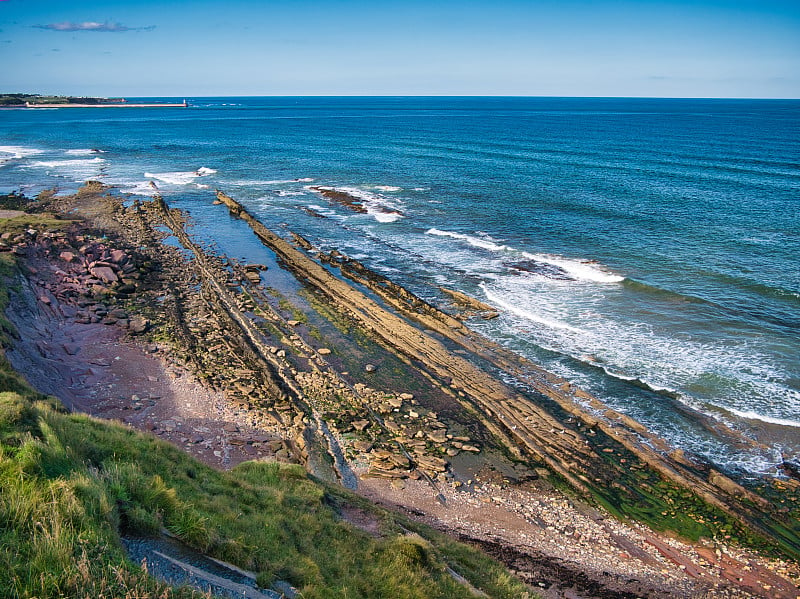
[{"x": 645, "y": 249}]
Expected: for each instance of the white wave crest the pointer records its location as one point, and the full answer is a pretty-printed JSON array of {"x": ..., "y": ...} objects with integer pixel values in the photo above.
[
  {"x": 258, "y": 182},
  {"x": 526, "y": 314},
  {"x": 579, "y": 269},
  {"x": 16, "y": 153},
  {"x": 379, "y": 207},
  {"x": 83, "y": 152},
  {"x": 749, "y": 415},
  {"x": 181, "y": 177},
  {"x": 326, "y": 212},
  {"x": 66, "y": 163},
  {"x": 473, "y": 241},
  {"x": 285, "y": 181},
  {"x": 174, "y": 178},
  {"x": 384, "y": 217},
  {"x": 78, "y": 169},
  {"x": 139, "y": 188},
  {"x": 390, "y": 188}
]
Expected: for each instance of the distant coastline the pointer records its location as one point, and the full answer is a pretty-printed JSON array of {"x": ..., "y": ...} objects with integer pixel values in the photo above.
[
  {"x": 183, "y": 104},
  {"x": 39, "y": 101}
]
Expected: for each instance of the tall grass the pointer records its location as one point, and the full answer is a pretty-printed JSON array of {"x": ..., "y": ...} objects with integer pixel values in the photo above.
[{"x": 72, "y": 485}]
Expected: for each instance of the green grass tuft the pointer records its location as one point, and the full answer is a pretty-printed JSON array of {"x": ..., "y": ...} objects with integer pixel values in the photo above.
[{"x": 71, "y": 485}]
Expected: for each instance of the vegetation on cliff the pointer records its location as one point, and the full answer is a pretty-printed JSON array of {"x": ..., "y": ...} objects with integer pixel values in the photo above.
[
  {"x": 72, "y": 486},
  {"x": 21, "y": 99}
]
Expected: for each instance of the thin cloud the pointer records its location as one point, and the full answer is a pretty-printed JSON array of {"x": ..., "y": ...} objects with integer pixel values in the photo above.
[{"x": 107, "y": 26}]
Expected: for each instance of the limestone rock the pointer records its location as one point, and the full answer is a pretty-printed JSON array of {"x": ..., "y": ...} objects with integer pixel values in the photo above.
[
  {"x": 432, "y": 463},
  {"x": 138, "y": 325},
  {"x": 438, "y": 436},
  {"x": 360, "y": 425}
]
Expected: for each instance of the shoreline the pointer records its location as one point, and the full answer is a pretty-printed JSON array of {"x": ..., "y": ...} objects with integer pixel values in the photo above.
[
  {"x": 184, "y": 104},
  {"x": 290, "y": 401}
]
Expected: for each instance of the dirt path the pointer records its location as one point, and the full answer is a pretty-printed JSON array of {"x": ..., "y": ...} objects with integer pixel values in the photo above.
[
  {"x": 97, "y": 369},
  {"x": 176, "y": 564}
]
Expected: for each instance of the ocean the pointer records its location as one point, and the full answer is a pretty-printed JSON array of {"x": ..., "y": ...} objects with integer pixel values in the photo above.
[{"x": 645, "y": 249}]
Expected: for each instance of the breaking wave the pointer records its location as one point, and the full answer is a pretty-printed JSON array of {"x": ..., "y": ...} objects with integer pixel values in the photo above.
[
  {"x": 583, "y": 270},
  {"x": 16, "y": 153},
  {"x": 83, "y": 152},
  {"x": 749, "y": 415},
  {"x": 378, "y": 206},
  {"x": 181, "y": 177},
  {"x": 527, "y": 315},
  {"x": 78, "y": 169}
]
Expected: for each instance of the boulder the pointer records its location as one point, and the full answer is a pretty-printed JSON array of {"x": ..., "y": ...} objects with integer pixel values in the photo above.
[
  {"x": 432, "y": 463},
  {"x": 104, "y": 273},
  {"x": 138, "y": 325},
  {"x": 126, "y": 289},
  {"x": 400, "y": 461},
  {"x": 438, "y": 436},
  {"x": 362, "y": 446}
]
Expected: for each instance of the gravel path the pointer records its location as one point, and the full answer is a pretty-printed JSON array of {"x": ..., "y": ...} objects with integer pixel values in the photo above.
[{"x": 174, "y": 563}]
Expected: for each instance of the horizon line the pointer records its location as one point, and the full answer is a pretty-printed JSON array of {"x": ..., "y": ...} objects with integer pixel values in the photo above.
[{"x": 586, "y": 97}]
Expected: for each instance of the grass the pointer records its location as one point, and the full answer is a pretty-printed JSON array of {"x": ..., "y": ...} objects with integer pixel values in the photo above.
[
  {"x": 23, "y": 222},
  {"x": 71, "y": 486}
]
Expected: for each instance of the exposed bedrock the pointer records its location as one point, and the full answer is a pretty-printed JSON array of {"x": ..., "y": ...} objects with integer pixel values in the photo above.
[{"x": 591, "y": 452}]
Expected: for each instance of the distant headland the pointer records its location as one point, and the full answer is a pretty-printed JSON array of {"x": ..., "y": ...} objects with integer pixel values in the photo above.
[{"x": 40, "y": 101}]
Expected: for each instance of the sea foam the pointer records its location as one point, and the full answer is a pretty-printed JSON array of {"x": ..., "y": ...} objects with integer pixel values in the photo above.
[
  {"x": 181, "y": 177},
  {"x": 526, "y": 314},
  {"x": 78, "y": 169},
  {"x": 83, "y": 152},
  {"x": 16, "y": 153},
  {"x": 750, "y": 415},
  {"x": 579, "y": 269},
  {"x": 139, "y": 188},
  {"x": 379, "y": 207}
]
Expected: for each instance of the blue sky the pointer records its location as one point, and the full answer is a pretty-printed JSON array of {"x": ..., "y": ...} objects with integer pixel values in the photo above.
[{"x": 704, "y": 48}]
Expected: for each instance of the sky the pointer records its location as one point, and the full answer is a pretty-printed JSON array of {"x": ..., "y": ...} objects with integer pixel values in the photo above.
[{"x": 667, "y": 48}]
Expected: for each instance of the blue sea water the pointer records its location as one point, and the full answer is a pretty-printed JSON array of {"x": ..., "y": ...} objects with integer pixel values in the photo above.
[{"x": 646, "y": 249}]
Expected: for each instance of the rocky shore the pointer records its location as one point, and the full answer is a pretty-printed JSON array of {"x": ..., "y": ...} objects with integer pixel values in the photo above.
[{"x": 371, "y": 387}]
